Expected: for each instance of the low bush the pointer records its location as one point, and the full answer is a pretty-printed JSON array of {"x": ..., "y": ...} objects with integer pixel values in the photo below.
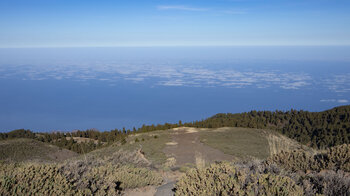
[
  {"x": 109, "y": 179},
  {"x": 296, "y": 160},
  {"x": 326, "y": 183},
  {"x": 270, "y": 184},
  {"x": 262, "y": 178},
  {"x": 227, "y": 179},
  {"x": 35, "y": 180},
  {"x": 89, "y": 176},
  {"x": 219, "y": 179},
  {"x": 336, "y": 158}
]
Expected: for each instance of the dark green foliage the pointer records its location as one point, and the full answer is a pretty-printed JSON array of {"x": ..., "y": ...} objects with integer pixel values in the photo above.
[
  {"x": 19, "y": 133},
  {"x": 123, "y": 141},
  {"x": 94, "y": 139},
  {"x": 316, "y": 129}
]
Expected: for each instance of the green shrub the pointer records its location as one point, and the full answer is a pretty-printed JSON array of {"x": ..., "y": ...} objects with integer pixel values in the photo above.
[
  {"x": 297, "y": 160},
  {"x": 339, "y": 158},
  {"x": 36, "y": 180},
  {"x": 104, "y": 176},
  {"x": 336, "y": 158},
  {"x": 227, "y": 179},
  {"x": 111, "y": 179},
  {"x": 326, "y": 183},
  {"x": 320, "y": 174},
  {"x": 270, "y": 184},
  {"x": 218, "y": 179}
]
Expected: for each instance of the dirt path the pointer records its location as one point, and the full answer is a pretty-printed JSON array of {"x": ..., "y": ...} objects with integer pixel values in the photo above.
[
  {"x": 145, "y": 191},
  {"x": 166, "y": 189},
  {"x": 187, "y": 148}
]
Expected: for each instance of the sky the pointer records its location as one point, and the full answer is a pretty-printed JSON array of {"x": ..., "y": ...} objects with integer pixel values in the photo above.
[{"x": 109, "y": 23}]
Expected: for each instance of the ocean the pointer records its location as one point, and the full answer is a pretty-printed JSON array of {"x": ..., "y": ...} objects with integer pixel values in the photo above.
[{"x": 64, "y": 89}]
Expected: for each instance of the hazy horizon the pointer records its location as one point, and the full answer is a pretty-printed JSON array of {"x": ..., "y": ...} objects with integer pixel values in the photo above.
[
  {"x": 109, "y": 64},
  {"x": 107, "y": 88}
]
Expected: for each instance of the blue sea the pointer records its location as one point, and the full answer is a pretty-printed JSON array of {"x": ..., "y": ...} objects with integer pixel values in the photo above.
[{"x": 64, "y": 89}]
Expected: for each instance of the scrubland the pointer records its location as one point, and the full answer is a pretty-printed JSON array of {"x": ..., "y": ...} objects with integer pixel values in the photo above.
[{"x": 265, "y": 163}]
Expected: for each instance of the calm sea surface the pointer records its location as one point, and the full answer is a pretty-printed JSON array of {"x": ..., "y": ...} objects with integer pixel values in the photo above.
[{"x": 106, "y": 88}]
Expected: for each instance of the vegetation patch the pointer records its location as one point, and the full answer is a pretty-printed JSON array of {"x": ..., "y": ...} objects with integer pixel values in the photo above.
[
  {"x": 239, "y": 142},
  {"x": 287, "y": 173},
  {"x": 335, "y": 158},
  {"x": 88, "y": 176},
  {"x": 34, "y": 179},
  {"x": 151, "y": 147},
  {"x": 226, "y": 179},
  {"x": 316, "y": 129},
  {"x": 30, "y": 150}
]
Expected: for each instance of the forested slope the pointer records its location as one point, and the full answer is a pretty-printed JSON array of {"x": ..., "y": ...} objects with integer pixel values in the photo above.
[{"x": 317, "y": 129}]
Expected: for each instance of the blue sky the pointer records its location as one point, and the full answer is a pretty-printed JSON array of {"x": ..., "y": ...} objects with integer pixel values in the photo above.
[{"x": 80, "y": 23}]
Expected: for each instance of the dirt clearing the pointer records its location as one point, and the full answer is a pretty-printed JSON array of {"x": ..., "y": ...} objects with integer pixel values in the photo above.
[{"x": 189, "y": 149}]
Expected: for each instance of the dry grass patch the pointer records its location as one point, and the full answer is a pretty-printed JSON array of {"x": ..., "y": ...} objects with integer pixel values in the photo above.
[
  {"x": 239, "y": 142},
  {"x": 279, "y": 143},
  {"x": 83, "y": 139},
  {"x": 29, "y": 150},
  {"x": 150, "y": 144}
]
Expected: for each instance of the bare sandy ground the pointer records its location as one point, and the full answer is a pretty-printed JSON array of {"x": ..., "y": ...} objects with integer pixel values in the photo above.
[
  {"x": 171, "y": 143},
  {"x": 145, "y": 191}
]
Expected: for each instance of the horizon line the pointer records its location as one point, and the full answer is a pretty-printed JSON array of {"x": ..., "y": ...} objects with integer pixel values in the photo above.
[{"x": 175, "y": 46}]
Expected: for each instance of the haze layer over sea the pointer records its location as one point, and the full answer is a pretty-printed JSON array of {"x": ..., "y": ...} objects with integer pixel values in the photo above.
[{"x": 46, "y": 89}]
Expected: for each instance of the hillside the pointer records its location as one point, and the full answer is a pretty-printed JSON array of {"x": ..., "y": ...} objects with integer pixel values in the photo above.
[
  {"x": 316, "y": 129},
  {"x": 30, "y": 150},
  {"x": 187, "y": 146},
  {"x": 153, "y": 163},
  {"x": 162, "y": 147},
  {"x": 245, "y": 153}
]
